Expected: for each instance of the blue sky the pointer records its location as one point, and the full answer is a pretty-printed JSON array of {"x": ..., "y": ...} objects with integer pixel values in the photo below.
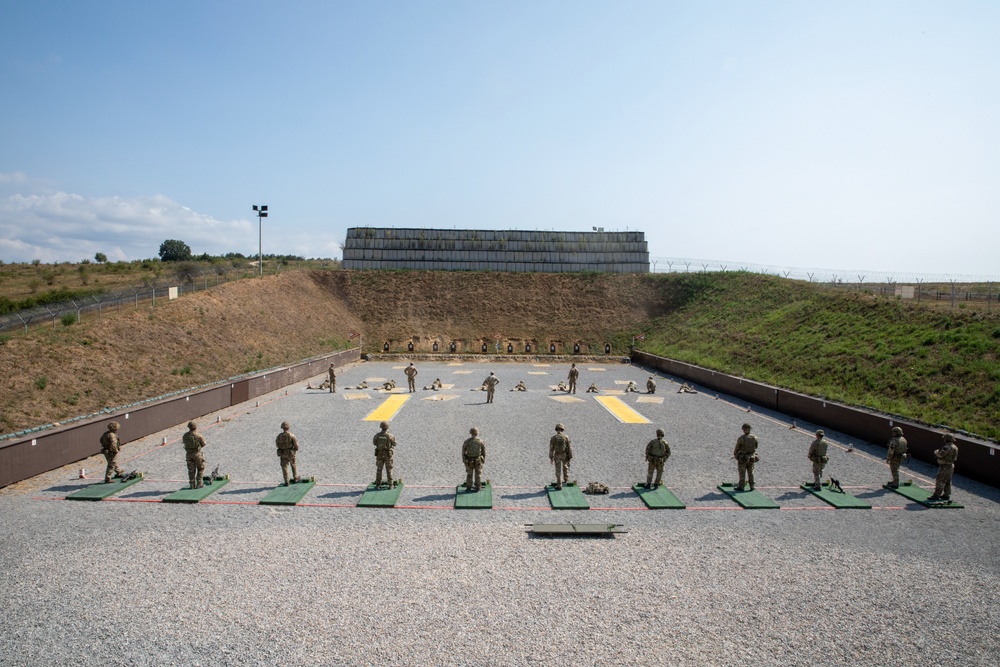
[{"x": 851, "y": 135}]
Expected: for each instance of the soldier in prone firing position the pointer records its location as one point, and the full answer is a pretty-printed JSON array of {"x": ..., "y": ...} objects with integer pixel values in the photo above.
[
  {"x": 384, "y": 443},
  {"x": 473, "y": 456},
  {"x": 287, "y": 444},
  {"x": 657, "y": 453}
]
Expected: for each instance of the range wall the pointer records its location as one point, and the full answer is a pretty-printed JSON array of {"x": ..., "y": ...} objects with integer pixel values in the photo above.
[
  {"x": 48, "y": 450},
  {"x": 977, "y": 459},
  {"x": 512, "y": 250}
]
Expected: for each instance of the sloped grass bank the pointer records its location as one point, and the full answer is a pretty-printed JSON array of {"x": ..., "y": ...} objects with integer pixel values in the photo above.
[{"x": 868, "y": 351}]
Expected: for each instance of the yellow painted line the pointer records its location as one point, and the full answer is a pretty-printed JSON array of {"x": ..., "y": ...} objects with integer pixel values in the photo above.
[
  {"x": 388, "y": 409},
  {"x": 622, "y": 412}
]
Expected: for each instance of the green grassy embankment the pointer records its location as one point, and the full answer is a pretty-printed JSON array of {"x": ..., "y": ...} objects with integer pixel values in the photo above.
[{"x": 891, "y": 356}]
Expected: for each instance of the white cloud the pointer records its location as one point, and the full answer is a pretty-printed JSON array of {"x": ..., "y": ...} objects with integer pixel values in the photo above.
[{"x": 61, "y": 226}]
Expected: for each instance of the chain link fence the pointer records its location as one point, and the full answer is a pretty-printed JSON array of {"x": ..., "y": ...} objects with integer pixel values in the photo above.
[
  {"x": 919, "y": 287},
  {"x": 74, "y": 310}
]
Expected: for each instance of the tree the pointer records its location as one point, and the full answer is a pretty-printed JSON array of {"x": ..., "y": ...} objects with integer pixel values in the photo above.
[
  {"x": 100, "y": 257},
  {"x": 174, "y": 251}
]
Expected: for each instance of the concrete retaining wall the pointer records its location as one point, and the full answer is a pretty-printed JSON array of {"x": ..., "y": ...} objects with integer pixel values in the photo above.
[
  {"x": 977, "y": 459},
  {"x": 51, "y": 449}
]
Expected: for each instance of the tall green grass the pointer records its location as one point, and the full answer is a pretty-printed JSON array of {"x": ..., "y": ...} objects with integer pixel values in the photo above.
[{"x": 876, "y": 352}]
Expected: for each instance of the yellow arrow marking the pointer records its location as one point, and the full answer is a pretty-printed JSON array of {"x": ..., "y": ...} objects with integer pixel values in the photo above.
[
  {"x": 622, "y": 412},
  {"x": 388, "y": 409}
]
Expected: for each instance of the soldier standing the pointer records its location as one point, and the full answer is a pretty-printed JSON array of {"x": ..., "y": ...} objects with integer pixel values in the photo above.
[
  {"x": 573, "y": 375},
  {"x": 946, "y": 457},
  {"x": 817, "y": 454},
  {"x": 491, "y": 384},
  {"x": 194, "y": 442},
  {"x": 650, "y": 385},
  {"x": 110, "y": 445},
  {"x": 411, "y": 377},
  {"x": 332, "y": 378},
  {"x": 745, "y": 454},
  {"x": 473, "y": 456},
  {"x": 657, "y": 453},
  {"x": 560, "y": 453},
  {"x": 384, "y": 443},
  {"x": 895, "y": 454},
  {"x": 287, "y": 445}
]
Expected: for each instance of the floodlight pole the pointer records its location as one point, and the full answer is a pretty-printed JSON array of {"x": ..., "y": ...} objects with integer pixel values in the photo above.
[{"x": 261, "y": 213}]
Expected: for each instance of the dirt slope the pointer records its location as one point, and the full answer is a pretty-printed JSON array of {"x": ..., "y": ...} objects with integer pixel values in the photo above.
[
  {"x": 429, "y": 305},
  {"x": 248, "y": 325},
  {"x": 200, "y": 338}
]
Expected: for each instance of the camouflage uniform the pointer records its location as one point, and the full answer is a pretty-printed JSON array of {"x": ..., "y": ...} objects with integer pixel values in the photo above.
[
  {"x": 657, "y": 453},
  {"x": 287, "y": 445},
  {"x": 384, "y": 443},
  {"x": 573, "y": 375},
  {"x": 520, "y": 386},
  {"x": 411, "y": 377},
  {"x": 592, "y": 389},
  {"x": 473, "y": 456},
  {"x": 746, "y": 456},
  {"x": 332, "y": 379},
  {"x": 650, "y": 386},
  {"x": 436, "y": 385},
  {"x": 491, "y": 384},
  {"x": 946, "y": 457},
  {"x": 817, "y": 454},
  {"x": 194, "y": 442},
  {"x": 110, "y": 445},
  {"x": 560, "y": 453},
  {"x": 895, "y": 454},
  {"x": 631, "y": 387}
]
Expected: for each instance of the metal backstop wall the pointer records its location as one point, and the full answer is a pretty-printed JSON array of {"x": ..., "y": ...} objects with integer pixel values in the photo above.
[{"x": 510, "y": 250}]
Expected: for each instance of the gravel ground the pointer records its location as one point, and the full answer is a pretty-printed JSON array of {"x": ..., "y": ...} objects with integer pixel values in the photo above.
[{"x": 229, "y": 582}]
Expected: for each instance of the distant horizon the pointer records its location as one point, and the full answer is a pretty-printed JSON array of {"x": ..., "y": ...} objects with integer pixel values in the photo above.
[{"x": 851, "y": 134}]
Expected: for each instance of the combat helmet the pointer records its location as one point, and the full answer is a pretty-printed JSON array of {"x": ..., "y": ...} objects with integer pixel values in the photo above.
[
  {"x": 948, "y": 437},
  {"x": 384, "y": 426},
  {"x": 897, "y": 431},
  {"x": 192, "y": 426},
  {"x": 560, "y": 427},
  {"x": 114, "y": 426},
  {"x": 285, "y": 426},
  {"x": 660, "y": 433}
]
